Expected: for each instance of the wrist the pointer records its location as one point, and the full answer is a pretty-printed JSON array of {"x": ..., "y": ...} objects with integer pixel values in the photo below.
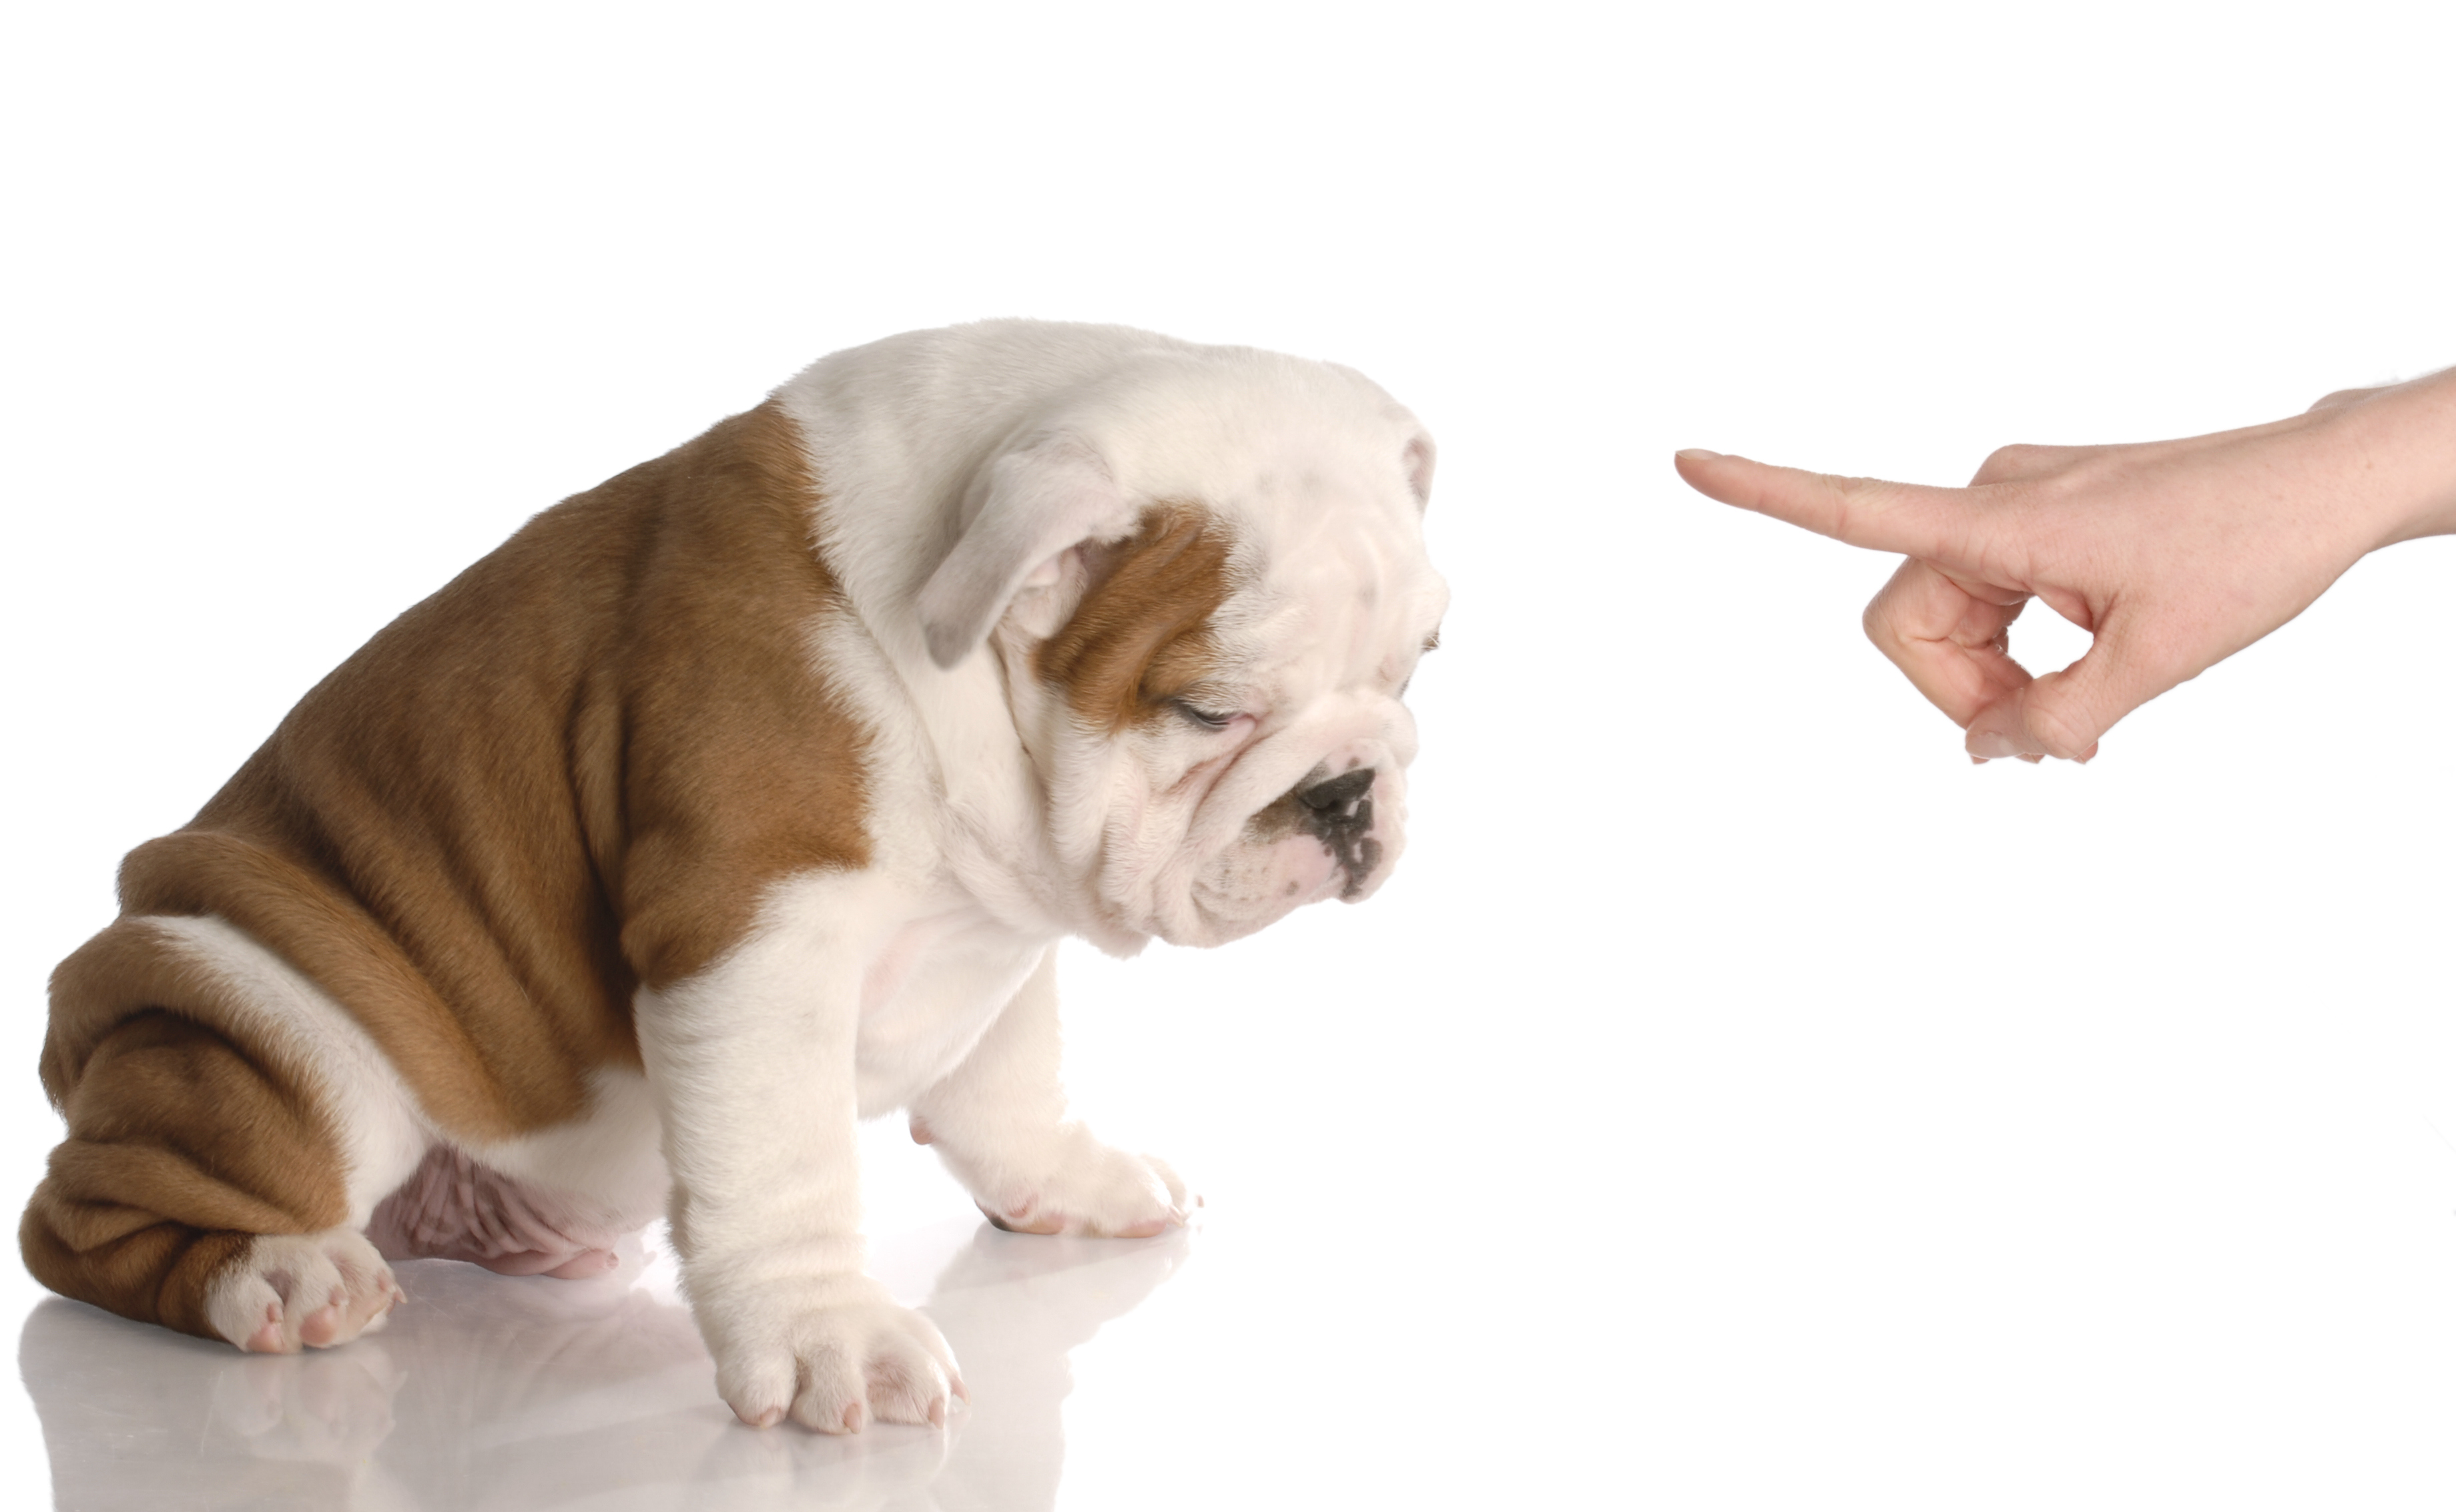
[{"x": 2401, "y": 457}]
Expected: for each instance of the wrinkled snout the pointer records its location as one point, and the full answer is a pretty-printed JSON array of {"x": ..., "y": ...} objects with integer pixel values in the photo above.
[{"x": 1334, "y": 828}]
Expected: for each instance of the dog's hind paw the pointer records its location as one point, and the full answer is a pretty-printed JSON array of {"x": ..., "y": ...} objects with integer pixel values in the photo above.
[{"x": 291, "y": 1291}]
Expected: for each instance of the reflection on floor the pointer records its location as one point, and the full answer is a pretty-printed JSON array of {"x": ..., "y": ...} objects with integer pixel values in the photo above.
[{"x": 488, "y": 1392}]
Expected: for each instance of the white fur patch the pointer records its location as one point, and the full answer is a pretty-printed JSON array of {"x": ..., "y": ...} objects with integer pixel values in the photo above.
[{"x": 609, "y": 1163}]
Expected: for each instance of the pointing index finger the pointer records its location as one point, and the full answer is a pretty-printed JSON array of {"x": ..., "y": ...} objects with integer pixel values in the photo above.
[{"x": 1905, "y": 519}]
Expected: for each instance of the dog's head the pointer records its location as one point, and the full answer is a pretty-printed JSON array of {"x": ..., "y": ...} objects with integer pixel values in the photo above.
[{"x": 1205, "y": 579}]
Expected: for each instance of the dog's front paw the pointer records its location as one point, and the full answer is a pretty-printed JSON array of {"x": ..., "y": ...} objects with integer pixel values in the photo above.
[
  {"x": 832, "y": 1355},
  {"x": 1076, "y": 1185}
]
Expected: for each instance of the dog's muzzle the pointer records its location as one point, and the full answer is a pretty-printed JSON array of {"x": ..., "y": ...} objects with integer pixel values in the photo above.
[{"x": 1340, "y": 814}]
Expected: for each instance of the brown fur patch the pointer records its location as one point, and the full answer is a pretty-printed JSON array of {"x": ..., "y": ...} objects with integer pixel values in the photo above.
[
  {"x": 184, "y": 1139},
  {"x": 1143, "y": 635},
  {"x": 573, "y": 770}
]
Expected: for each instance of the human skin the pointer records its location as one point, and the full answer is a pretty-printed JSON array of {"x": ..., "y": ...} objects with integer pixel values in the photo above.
[{"x": 2173, "y": 554}]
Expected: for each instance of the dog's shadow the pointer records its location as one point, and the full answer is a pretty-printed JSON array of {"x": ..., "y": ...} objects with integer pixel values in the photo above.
[{"x": 488, "y": 1393}]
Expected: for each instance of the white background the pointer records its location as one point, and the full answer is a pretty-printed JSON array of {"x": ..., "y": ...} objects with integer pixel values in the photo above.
[{"x": 1737, "y": 1100}]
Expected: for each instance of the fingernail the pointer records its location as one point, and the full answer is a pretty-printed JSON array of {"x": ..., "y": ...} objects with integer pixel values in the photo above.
[
  {"x": 1977, "y": 760},
  {"x": 1988, "y": 743},
  {"x": 1698, "y": 454}
]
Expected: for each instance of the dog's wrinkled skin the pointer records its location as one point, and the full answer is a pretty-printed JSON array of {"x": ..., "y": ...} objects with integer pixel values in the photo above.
[
  {"x": 1103, "y": 635},
  {"x": 1200, "y": 835}
]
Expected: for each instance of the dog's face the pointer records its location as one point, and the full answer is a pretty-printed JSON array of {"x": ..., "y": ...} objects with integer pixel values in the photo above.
[
  {"x": 1219, "y": 722},
  {"x": 1209, "y": 680}
]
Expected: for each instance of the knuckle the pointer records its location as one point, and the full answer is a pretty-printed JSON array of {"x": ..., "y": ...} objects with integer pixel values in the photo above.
[
  {"x": 1848, "y": 497},
  {"x": 1877, "y": 624},
  {"x": 2056, "y": 731},
  {"x": 2017, "y": 462}
]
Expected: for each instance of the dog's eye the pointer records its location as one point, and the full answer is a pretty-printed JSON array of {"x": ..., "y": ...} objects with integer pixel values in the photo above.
[{"x": 1203, "y": 717}]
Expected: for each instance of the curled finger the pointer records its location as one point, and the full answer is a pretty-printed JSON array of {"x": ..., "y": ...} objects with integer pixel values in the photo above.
[{"x": 1950, "y": 636}]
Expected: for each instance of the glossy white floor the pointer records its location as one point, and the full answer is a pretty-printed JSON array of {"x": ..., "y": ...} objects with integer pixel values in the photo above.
[
  {"x": 2221, "y": 1273},
  {"x": 496, "y": 1393}
]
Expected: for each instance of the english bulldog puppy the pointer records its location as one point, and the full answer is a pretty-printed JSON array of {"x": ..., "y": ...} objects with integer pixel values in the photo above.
[{"x": 734, "y": 801}]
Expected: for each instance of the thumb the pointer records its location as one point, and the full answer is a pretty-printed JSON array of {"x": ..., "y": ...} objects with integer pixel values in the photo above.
[{"x": 2063, "y": 713}]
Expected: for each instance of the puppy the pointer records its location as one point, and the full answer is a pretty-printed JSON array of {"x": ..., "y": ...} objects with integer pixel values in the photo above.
[{"x": 734, "y": 801}]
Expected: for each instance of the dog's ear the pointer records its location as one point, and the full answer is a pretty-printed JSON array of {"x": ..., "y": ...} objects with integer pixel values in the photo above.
[
  {"x": 1028, "y": 508},
  {"x": 1417, "y": 460}
]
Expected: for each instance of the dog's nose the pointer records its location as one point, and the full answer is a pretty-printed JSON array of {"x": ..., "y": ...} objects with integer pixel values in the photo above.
[{"x": 1336, "y": 799}]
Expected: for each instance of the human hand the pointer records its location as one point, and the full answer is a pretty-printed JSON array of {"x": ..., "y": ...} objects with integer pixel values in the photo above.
[{"x": 2173, "y": 554}]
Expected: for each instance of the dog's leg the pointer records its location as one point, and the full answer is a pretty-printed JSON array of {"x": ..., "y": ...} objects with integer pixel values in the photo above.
[
  {"x": 198, "y": 1191},
  {"x": 753, "y": 1062},
  {"x": 1000, "y": 1122},
  {"x": 229, "y": 1128}
]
